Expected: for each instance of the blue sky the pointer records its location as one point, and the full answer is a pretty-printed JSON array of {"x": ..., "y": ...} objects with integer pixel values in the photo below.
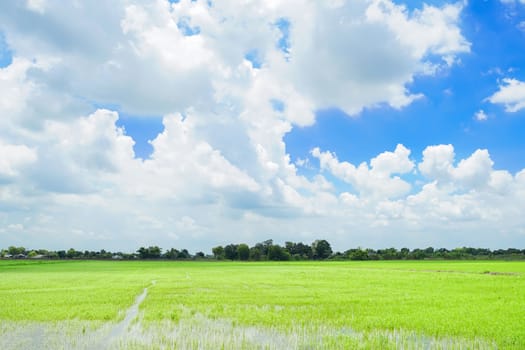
[
  {"x": 189, "y": 124},
  {"x": 445, "y": 115},
  {"x": 452, "y": 97}
]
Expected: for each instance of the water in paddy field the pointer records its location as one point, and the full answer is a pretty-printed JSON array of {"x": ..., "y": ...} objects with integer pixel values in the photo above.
[
  {"x": 121, "y": 328},
  {"x": 199, "y": 332}
]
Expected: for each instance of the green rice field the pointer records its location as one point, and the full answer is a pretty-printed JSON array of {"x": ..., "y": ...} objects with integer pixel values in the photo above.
[{"x": 262, "y": 305}]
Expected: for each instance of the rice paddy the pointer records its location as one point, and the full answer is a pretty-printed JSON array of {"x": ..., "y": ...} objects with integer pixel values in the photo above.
[{"x": 293, "y": 305}]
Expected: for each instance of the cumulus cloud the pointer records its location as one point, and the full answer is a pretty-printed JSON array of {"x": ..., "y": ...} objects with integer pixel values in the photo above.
[
  {"x": 373, "y": 48},
  {"x": 14, "y": 157},
  {"x": 481, "y": 116},
  {"x": 36, "y": 5},
  {"x": 470, "y": 173},
  {"x": 376, "y": 180},
  {"x": 230, "y": 81},
  {"x": 511, "y": 95},
  {"x": 182, "y": 162}
]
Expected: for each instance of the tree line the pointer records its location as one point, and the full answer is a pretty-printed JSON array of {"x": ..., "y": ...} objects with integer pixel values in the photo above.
[{"x": 268, "y": 250}]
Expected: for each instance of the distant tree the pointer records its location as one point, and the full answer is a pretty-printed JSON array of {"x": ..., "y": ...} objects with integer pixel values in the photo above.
[
  {"x": 72, "y": 253},
  {"x": 218, "y": 252},
  {"x": 441, "y": 253},
  {"x": 200, "y": 255},
  {"x": 51, "y": 254},
  {"x": 387, "y": 254},
  {"x": 16, "y": 250},
  {"x": 321, "y": 249},
  {"x": 243, "y": 251},
  {"x": 429, "y": 251},
  {"x": 143, "y": 253},
  {"x": 184, "y": 254},
  {"x": 274, "y": 252},
  {"x": 299, "y": 250},
  {"x": 372, "y": 254},
  {"x": 417, "y": 254},
  {"x": 403, "y": 253},
  {"x": 152, "y": 252},
  {"x": 304, "y": 250},
  {"x": 171, "y": 254},
  {"x": 230, "y": 251},
  {"x": 357, "y": 254},
  {"x": 265, "y": 246},
  {"x": 277, "y": 253},
  {"x": 255, "y": 253}
]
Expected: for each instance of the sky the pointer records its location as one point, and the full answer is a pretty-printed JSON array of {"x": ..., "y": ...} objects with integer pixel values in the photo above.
[{"x": 192, "y": 124}]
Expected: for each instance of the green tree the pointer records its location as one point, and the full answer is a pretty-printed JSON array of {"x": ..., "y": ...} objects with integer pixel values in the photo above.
[
  {"x": 417, "y": 254},
  {"x": 184, "y": 254},
  {"x": 218, "y": 252},
  {"x": 152, "y": 252},
  {"x": 321, "y": 249},
  {"x": 403, "y": 253},
  {"x": 243, "y": 251},
  {"x": 143, "y": 253},
  {"x": 255, "y": 253},
  {"x": 72, "y": 253},
  {"x": 357, "y": 254},
  {"x": 16, "y": 250},
  {"x": 171, "y": 254},
  {"x": 277, "y": 253},
  {"x": 230, "y": 251}
]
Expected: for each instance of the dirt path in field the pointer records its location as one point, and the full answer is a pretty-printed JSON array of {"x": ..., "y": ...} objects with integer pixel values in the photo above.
[{"x": 120, "y": 328}]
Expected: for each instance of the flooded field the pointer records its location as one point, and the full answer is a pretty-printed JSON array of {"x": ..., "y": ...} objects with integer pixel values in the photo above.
[{"x": 207, "y": 305}]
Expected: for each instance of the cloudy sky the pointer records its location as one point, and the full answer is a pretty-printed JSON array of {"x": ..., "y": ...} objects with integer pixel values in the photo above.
[{"x": 190, "y": 124}]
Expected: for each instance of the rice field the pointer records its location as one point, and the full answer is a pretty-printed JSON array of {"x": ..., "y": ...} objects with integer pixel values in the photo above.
[{"x": 262, "y": 305}]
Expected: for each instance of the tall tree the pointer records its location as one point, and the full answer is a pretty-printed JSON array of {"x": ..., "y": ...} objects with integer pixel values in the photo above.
[
  {"x": 230, "y": 251},
  {"x": 321, "y": 249},
  {"x": 243, "y": 251},
  {"x": 218, "y": 252}
]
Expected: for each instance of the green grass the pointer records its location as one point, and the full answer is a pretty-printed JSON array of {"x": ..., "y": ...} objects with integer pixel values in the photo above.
[{"x": 444, "y": 304}]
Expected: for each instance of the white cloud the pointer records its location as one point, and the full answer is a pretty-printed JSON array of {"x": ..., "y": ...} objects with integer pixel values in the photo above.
[
  {"x": 14, "y": 157},
  {"x": 373, "y": 48},
  {"x": 375, "y": 181},
  {"x": 437, "y": 162},
  {"x": 473, "y": 172},
  {"x": 37, "y": 5},
  {"x": 181, "y": 163},
  {"x": 431, "y": 30},
  {"x": 481, "y": 116},
  {"x": 393, "y": 162},
  {"x": 219, "y": 171},
  {"x": 511, "y": 94}
]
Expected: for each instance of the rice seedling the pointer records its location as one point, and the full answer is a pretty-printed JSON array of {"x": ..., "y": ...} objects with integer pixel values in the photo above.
[{"x": 301, "y": 305}]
